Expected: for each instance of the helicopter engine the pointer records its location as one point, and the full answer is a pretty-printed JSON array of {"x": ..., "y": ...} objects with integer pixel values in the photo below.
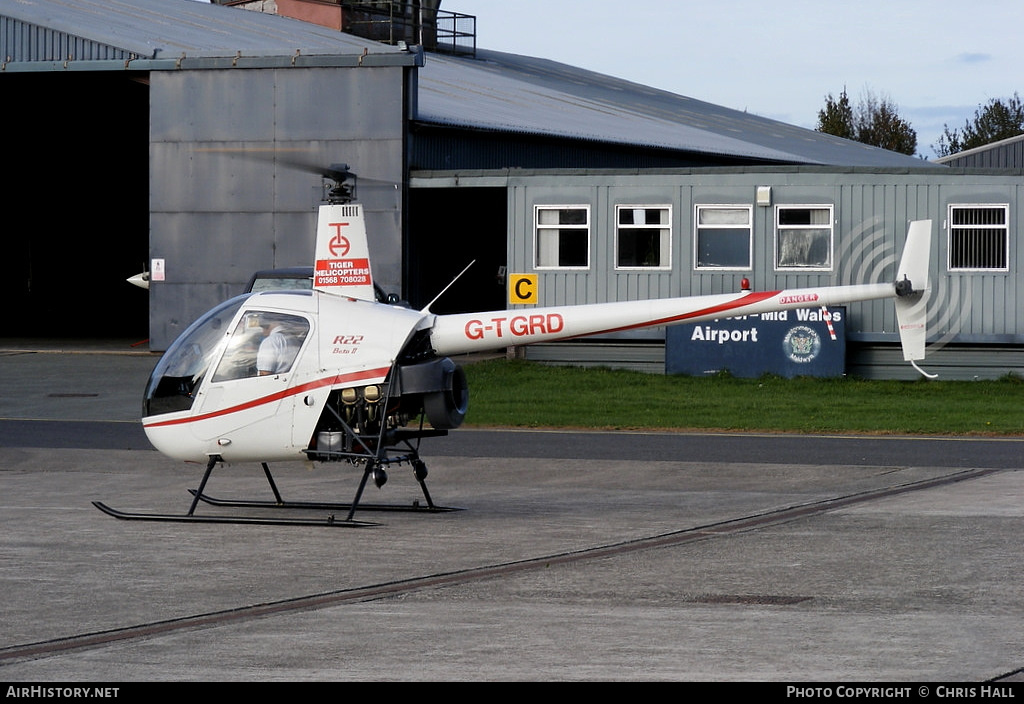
[{"x": 356, "y": 418}]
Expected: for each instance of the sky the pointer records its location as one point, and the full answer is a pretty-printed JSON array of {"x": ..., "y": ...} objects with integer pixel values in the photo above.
[{"x": 938, "y": 61}]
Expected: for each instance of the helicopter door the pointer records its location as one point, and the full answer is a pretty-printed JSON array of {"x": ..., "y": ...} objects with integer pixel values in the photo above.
[{"x": 252, "y": 378}]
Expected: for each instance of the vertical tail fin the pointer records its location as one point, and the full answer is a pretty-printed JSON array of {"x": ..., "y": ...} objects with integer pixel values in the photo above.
[
  {"x": 911, "y": 287},
  {"x": 342, "y": 252}
]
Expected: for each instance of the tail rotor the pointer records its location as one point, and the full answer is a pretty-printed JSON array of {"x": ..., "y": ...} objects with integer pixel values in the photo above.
[{"x": 912, "y": 287}]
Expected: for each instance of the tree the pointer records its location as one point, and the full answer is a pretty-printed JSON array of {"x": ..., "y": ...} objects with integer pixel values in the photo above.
[
  {"x": 836, "y": 117},
  {"x": 875, "y": 121},
  {"x": 994, "y": 121}
]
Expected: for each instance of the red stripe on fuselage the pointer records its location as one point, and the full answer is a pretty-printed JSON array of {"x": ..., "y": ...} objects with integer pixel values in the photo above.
[
  {"x": 750, "y": 298},
  {"x": 320, "y": 383}
]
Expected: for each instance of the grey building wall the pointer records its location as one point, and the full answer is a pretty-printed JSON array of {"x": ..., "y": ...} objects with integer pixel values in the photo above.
[{"x": 226, "y": 196}]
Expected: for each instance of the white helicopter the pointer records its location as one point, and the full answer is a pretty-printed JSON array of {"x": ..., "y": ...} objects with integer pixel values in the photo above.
[{"x": 333, "y": 374}]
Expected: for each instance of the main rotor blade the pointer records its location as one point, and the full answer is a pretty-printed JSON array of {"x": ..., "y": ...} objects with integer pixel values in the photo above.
[{"x": 292, "y": 158}]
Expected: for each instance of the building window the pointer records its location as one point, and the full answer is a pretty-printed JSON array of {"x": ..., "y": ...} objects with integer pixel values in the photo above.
[
  {"x": 643, "y": 237},
  {"x": 724, "y": 236},
  {"x": 803, "y": 237},
  {"x": 562, "y": 237},
  {"x": 979, "y": 237}
]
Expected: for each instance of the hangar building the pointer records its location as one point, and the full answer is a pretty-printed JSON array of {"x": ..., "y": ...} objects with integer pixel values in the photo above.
[{"x": 174, "y": 135}]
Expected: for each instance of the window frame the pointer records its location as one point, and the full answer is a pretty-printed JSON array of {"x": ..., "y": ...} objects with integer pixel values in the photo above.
[
  {"x": 831, "y": 235},
  {"x": 664, "y": 241},
  {"x": 698, "y": 229},
  {"x": 1005, "y": 227},
  {"x": 538, "y": 227}
]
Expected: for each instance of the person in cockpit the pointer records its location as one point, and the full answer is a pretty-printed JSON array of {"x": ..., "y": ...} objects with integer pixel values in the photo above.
[{"x": 277, "y": 350}]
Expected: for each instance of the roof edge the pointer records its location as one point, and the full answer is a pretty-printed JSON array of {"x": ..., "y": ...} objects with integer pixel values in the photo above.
[
  {"x": 423, "y": 177},
  {"x": 239, "y": 61}
]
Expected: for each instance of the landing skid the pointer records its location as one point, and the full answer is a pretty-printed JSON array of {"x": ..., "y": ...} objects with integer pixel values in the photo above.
[
  {"x": 371, "y": 470},
  {"x": 191, "y": 517},
  {"x": 328, "y": 521},
  {"x": 414, "y": 507}
]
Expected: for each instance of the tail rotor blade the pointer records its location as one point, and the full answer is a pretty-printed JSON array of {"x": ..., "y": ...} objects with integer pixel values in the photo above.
[{"x": 911, "y": 292}]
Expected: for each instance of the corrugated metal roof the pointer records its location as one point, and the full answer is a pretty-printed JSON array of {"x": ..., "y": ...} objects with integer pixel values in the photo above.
[
  {"x": 158, "y": 29},
  {"x": 512, "y": 93},
  {"x": 494, "y": 91}
]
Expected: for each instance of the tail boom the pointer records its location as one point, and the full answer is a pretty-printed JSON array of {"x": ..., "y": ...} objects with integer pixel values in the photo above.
[{"x": 476, "y": 332}]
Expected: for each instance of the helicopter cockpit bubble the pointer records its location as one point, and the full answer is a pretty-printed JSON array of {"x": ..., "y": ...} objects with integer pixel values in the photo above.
[{"x": 181, "y": 369}]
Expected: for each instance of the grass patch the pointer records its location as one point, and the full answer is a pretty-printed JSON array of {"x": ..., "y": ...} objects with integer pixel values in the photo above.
[{"x": 517, "y": 393}]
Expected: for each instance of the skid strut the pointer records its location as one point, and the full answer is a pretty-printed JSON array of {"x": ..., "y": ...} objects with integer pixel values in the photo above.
[{"x": 279, "y": 502}]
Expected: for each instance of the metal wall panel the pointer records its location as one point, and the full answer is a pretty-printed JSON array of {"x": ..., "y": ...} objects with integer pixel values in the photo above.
[{"x": 226, "y": 196}]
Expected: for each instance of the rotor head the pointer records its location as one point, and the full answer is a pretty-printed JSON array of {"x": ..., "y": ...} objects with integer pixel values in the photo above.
[{"x": 343, "y": 188}]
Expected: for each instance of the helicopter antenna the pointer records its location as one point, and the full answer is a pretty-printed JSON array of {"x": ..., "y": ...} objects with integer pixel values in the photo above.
[{"x": 426, "y": 310}]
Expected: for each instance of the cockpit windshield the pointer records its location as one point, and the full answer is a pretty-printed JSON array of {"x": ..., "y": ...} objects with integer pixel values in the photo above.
[{"x": 178, "y": 373}]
